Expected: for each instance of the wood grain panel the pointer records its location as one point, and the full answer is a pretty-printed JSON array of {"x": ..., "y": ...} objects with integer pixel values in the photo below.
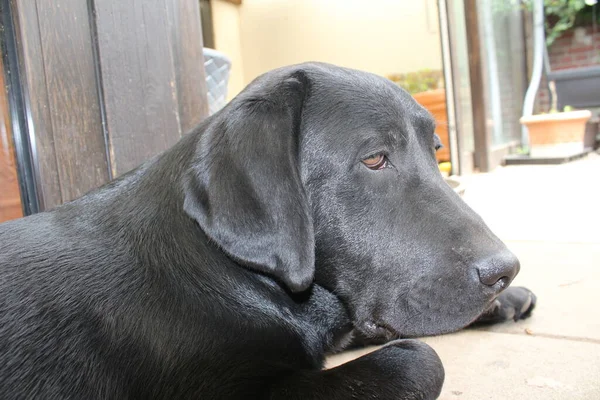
[
  {"x": 106, "y": 85},
  {"x": 138, "y": 79},
  {"x": 73, "y": 100},
  {"x": 186, "y": 40}
]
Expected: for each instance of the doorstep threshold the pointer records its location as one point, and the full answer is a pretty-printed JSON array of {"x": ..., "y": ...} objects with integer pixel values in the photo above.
[{"x": 547, "y": 159}]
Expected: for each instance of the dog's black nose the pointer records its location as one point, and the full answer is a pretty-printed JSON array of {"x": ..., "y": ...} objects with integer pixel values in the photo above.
[{"x": 499, "y": 269}]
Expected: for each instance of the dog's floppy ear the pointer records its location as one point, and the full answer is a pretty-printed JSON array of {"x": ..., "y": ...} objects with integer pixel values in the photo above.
[{"x": 244, "y": 186}]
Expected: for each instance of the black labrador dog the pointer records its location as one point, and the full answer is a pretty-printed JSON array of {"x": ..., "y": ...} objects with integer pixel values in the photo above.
[{"x": 309, "y": 211}]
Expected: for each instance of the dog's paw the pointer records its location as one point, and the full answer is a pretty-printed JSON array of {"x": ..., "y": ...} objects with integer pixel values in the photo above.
[
  {"x": 517, "y": 303},
  {"x": 514, "y": 303},
  {"x": 414, "y": 367}
]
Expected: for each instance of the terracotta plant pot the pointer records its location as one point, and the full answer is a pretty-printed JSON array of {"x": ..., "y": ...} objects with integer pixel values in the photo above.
[
  {"x": 566, "y": 129},
  {"x": 435, "y": 102}
]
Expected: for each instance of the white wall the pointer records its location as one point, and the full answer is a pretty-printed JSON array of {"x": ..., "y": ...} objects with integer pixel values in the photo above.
[{"x": 380, "y": 36}]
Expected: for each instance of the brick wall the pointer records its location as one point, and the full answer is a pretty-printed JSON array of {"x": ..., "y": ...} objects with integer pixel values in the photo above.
[
  {"x": 576, "y": 50},
  {"x": 572, "y": 50}
]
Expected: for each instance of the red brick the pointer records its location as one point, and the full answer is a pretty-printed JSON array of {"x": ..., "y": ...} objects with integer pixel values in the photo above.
[
  {"x": 559, "y": 53},
  {"x": 565, "y": 66},
  {"x": 581, "y": 49},
  {"x": 565, "y": 59},
  {"x": 565, "y": 53}
]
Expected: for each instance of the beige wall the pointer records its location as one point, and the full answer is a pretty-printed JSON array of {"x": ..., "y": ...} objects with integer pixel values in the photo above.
[
  {"x": 226, "y": 25},
  {"x": 380, "y": 36}
]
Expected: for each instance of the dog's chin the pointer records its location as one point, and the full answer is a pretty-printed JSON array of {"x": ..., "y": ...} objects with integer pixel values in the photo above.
[
  {"x": 424, "y": 324},
  {"x": 441, "y": 323}
]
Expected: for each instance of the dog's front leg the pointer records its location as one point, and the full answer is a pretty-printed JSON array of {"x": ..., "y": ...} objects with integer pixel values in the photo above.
[{"x": 403, "y": 369}]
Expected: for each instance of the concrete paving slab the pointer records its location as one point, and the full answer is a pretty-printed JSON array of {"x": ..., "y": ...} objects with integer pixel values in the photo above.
[
  {"x": 566, "y": 279},
  {"x": 549, "y": 203},
  {"x": 484, "y": 365},
  {"x": 499, "y": 366}
]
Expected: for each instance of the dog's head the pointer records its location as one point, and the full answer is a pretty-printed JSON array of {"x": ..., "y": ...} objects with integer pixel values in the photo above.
[{"x": 324, "y": 174}]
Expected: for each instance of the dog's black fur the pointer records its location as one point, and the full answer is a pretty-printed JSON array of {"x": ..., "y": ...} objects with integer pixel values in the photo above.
[{"x": 227, "y": 267}]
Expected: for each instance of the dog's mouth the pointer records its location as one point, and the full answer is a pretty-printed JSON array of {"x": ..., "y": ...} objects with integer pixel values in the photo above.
[{"x": 377, "y": 331}]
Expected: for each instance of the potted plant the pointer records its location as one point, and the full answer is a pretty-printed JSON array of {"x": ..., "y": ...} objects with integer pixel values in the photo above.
[
  {"x": 427, "y": 87},
  {"x": 563, "y": 132},
  {"x": 557, "y": 132}
]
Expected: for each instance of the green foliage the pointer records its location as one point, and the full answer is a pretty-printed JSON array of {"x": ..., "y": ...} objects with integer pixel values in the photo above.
[
  {"x": 419, "y": 81},
  {"x": 565, "y": 13},
  {"x": 561, "y": 15},
  {"x": 555, "y": 111}
]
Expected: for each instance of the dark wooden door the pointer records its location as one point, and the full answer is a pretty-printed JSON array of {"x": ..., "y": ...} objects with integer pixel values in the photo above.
[{"x": 104, "y": 84}]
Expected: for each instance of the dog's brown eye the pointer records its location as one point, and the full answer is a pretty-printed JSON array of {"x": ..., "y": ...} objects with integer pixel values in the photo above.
[{"x": 375, "y": 162}]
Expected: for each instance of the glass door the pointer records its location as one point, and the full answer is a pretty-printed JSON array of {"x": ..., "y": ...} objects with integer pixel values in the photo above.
[
  {"x": 501, "y": 28},
  {"x": 458, "y": 84}
]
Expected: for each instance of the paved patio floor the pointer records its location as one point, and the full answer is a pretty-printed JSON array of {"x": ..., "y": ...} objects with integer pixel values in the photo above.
[{"x": 550, "y": 217}]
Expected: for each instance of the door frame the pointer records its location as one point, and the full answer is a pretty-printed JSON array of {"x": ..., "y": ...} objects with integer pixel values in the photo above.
[{"x": 23, "y": 144}]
